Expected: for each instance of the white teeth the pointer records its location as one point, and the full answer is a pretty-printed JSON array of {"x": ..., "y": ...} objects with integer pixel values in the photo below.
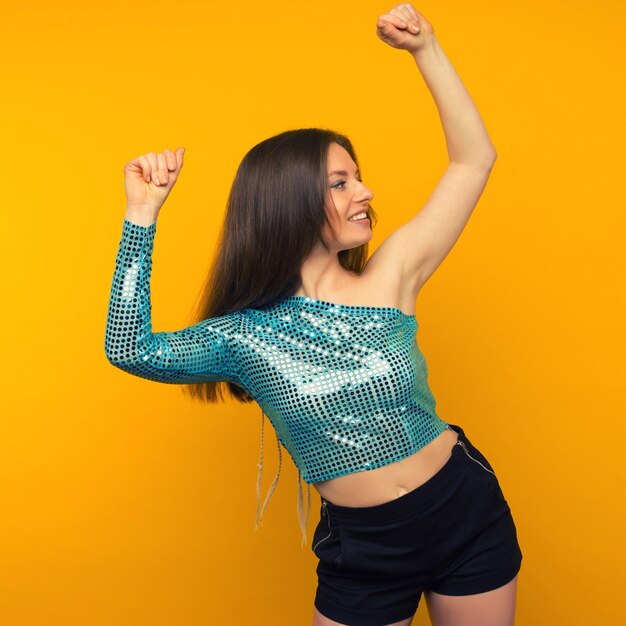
[{"x": 360, "y": 216}]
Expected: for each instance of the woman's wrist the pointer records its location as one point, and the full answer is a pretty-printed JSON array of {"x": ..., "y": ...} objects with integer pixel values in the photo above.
[
  {"x": 143, "y": 216},
  {"x": 425, "y": 49}
]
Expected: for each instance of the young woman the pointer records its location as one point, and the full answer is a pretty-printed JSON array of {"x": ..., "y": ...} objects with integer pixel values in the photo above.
[{"x": 295, "y": 317}]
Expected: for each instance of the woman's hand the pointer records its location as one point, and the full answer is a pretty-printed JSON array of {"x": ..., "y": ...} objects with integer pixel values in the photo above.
[
  {"x": 149, "y": 178},
  {"x": 405, "y": 28}
]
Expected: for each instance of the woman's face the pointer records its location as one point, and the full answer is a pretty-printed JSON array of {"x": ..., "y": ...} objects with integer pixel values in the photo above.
[{"x": 349, "y": 196}]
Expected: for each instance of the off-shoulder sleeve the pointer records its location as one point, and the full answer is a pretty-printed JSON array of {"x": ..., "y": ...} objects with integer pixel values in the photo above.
[{"x": 203, "y": 352}]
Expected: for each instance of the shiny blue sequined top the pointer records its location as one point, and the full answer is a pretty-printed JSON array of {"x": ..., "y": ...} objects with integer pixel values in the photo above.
[{"x": 344, "y": 386}]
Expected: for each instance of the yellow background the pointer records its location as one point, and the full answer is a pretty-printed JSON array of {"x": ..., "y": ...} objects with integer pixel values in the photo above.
[{"x": 123, "y": 502}]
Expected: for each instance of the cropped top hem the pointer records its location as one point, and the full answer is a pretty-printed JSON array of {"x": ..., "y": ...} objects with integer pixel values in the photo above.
[{"x": 439, "y": 426}]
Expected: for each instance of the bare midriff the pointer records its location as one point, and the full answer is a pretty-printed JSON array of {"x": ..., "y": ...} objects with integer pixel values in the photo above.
[{"x": 386, "y": 483}]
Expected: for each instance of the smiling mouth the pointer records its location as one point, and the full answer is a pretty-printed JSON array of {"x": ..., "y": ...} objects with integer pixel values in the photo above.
[{"x": 362, "y": 219}]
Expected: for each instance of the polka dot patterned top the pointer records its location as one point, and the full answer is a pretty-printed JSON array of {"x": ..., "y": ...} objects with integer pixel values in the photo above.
[{"x": 344, "y": 386}]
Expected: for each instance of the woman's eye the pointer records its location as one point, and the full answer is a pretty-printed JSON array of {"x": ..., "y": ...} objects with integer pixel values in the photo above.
[{"x": 343, "y": 182}]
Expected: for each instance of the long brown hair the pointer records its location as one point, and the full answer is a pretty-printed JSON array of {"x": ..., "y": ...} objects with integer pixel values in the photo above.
[{"x": 274, "y": 216}]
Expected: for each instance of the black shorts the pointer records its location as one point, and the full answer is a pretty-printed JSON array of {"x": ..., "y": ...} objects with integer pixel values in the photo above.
[{"x": 454, "y": 534}]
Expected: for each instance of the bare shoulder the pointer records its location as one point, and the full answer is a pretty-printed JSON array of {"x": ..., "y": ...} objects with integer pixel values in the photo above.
[{"x": 386, "y": 282}]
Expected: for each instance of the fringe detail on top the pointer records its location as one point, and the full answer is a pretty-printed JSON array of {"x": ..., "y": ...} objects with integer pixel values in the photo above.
[
  {"x": 303, "y": 513},
  {"x": 303, "y": 516},
  {"x": 259, "y": 513}
]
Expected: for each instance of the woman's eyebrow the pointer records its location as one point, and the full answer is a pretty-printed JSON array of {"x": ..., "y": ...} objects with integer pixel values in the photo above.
[{"x": 342, "y": 172}]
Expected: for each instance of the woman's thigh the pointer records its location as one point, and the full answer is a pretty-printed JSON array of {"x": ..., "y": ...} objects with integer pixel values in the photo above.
[{"x": 491, "y": 608}]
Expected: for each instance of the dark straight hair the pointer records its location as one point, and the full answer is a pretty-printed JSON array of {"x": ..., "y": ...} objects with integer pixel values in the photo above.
[{"x": 275, "y": 214}]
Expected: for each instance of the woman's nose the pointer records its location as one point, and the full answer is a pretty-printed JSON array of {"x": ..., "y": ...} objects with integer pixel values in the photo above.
[{"x": 367, "y": 193}]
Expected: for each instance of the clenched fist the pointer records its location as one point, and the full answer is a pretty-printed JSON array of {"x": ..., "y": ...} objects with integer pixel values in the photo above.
[
  {"x": 405, "y": 28},
  {"x": 149, "y": 178}
]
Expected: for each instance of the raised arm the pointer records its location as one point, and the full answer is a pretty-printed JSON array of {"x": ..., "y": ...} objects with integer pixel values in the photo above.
[
  {"x": 200, "y": 353},
  {"x": 203, "y": 352},
  {"x": 417, "y": 248}
]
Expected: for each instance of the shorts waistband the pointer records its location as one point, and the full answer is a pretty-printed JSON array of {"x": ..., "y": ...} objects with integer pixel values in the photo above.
[{"x": 417, "y": 500}]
